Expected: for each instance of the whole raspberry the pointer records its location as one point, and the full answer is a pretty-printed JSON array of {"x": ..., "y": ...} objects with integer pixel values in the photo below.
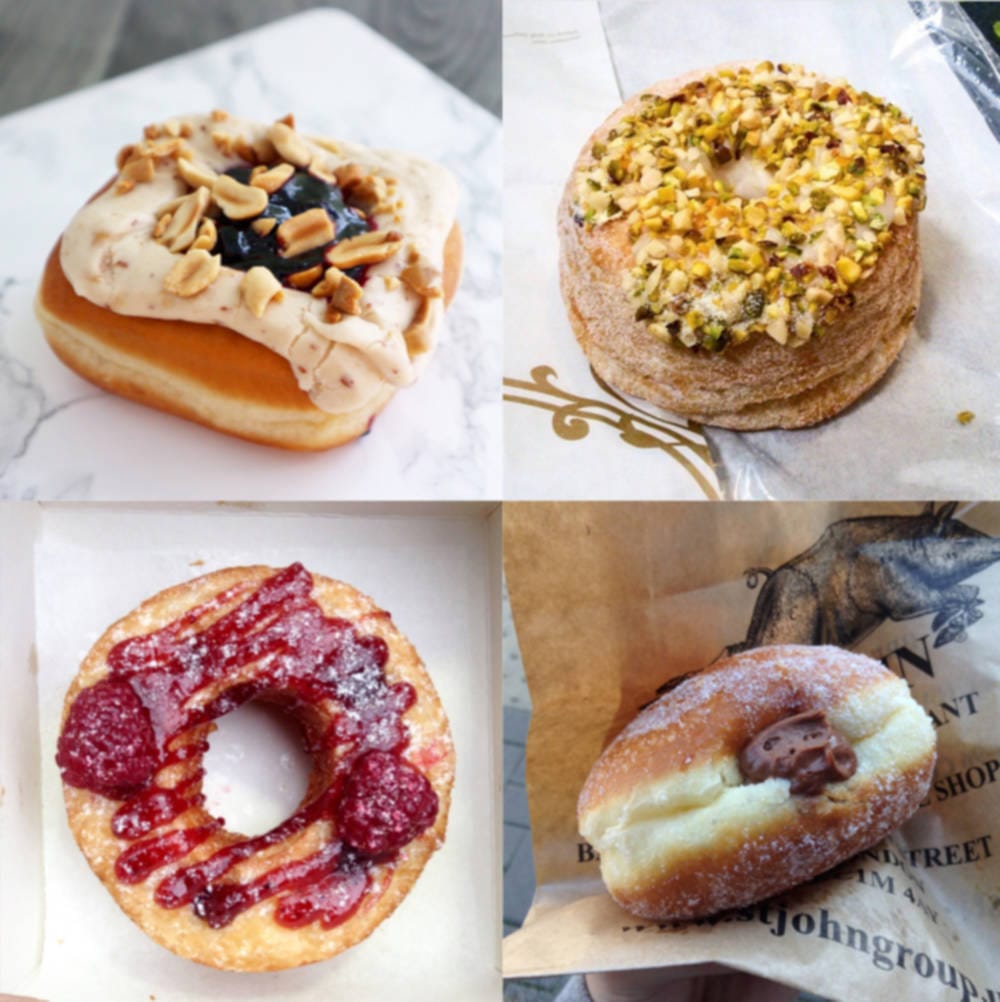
[
  {"x": 386, "y": 804},
  {"x": 107, "y": 744}
]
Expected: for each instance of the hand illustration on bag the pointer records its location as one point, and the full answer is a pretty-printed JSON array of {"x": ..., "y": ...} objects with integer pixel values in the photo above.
[{"x": 863, "y": 571}]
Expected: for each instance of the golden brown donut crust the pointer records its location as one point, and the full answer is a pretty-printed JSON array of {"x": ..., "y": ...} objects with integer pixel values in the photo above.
[
  {"x": 253, "y": 941},
  {"x": 203, "y": 372},
  {"x": 756, "y": 385},
  {"x": 703, "y": 724}
]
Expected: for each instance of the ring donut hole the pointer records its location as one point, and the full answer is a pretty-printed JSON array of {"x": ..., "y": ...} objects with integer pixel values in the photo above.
[
  {"x": 202, "y": 925},
  {"x": 747, "y": 177},
  {"x": 258, "y": 771},
  {"x": 312, "y": 722}
]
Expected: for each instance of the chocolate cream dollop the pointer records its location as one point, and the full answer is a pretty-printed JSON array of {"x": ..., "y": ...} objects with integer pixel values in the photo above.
[{"x": 804, "y": 749}]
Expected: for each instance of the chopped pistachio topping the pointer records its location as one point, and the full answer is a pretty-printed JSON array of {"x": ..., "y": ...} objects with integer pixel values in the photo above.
[{"x": 755, "y": 200}]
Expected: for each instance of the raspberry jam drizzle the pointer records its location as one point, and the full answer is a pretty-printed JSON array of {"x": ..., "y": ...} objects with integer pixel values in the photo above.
[{"x": 123, "y": 731}]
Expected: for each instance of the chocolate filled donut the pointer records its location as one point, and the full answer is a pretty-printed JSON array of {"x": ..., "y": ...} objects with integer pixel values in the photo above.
[
  {"x": 804, "y": 749},
  {"x": 752, "y": 776}
]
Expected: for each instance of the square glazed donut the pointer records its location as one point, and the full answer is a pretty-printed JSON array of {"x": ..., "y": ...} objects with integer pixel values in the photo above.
[{"x": 262, "y": 282}]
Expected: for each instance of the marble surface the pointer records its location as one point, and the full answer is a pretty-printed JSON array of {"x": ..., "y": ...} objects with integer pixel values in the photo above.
[{"x": 60, "y": 438}]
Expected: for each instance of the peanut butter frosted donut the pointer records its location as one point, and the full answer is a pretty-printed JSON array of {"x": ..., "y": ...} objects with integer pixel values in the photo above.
[
  {"x": 753, "y": 776},
  {"x": 135, "y": 727},
  {"x": 263, "y": 282},
  {"x": 740, "y": 245}
]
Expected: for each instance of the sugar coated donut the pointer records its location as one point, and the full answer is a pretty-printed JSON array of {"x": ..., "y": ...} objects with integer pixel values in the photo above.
[
  {"x": 752, "y": 776},
  {"x": 270, "y": 284},
  {"x": 739, "y": 245},
  {"x": 135, "y": 727}
]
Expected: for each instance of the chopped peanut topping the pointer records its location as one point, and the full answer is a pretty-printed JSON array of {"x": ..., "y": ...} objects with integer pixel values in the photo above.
[
  {"x": 259, "y": 287},
  {"x": 290, "y": 145},
  {"x": 124, "y": 155},
  {"x": 369, "y": 248},
  {"x": 347, "y": 297},
  {"x": 207, "y": 236},
  {"x": 238, "y": 201},
  {"x": 422, "y": 279},
  {"x": 183, "y": 227},
  {"x": 307, "y": 278},
  {"x": 366, "y": 191},
  {"x": 349, "y": 174},
  {"x": 273, "y": 179},
  {"x": 264, "y": 225},
  {"x": 418, "y": 334},
  {"x": 161, "y": 224},
  {"x": 196, "y": 175},
  {"x": 243, "y": 149},
  {"x": 343, "y": 293},
  {"x": 264, "y": 150},
  {"x": 224, "y": 141},
  {"x": 331, "y": 280},
  {"x": 193, "y": 273},
  {"x": 304, "y": 232},
  {"x": 136, "y": 171}
]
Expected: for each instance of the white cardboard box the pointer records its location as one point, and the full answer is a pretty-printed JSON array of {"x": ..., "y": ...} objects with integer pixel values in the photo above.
[{"x": 69, "y": 571}]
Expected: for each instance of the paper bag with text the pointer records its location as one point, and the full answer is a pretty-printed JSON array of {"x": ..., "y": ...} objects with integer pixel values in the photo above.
[{"x": 611, "y": 601}]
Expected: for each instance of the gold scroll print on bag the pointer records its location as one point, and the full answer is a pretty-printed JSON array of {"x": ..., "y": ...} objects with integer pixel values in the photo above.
[{"x": 571, "y": 417}]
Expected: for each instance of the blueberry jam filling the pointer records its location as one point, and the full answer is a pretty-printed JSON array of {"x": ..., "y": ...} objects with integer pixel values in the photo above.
[
  {"x": 122, "y": 733},
  {"x": 243, "y": 248}
]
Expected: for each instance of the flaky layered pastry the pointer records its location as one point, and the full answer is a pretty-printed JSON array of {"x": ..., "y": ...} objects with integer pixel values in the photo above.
[{"x": 136, "y": 723}]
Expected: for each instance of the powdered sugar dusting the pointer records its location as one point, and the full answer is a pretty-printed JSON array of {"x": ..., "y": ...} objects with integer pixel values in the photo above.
[{"x": 818, "y": 670}]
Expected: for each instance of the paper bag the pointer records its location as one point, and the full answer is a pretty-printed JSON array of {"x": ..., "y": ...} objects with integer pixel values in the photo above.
[{"x": 611, "y": 601}]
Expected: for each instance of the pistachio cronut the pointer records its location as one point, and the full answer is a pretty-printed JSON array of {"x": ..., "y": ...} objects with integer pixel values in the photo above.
[{"x": 719, "y": 216}]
